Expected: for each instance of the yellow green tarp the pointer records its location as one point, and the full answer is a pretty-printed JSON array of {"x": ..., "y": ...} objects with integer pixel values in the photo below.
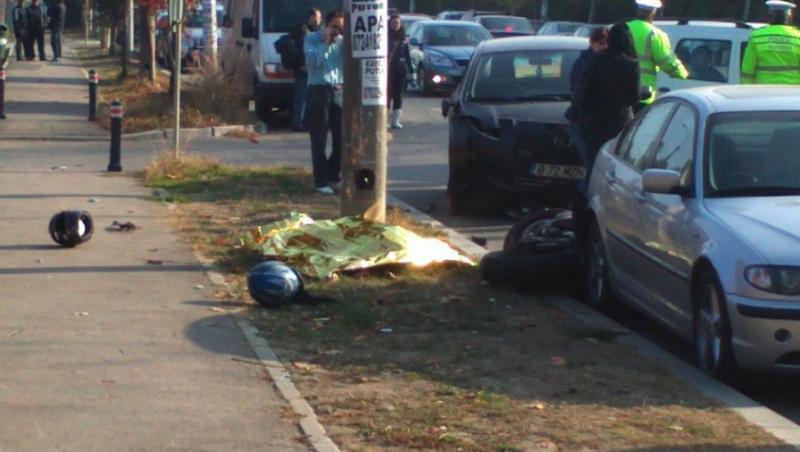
[{"x": 320, "y": 249}]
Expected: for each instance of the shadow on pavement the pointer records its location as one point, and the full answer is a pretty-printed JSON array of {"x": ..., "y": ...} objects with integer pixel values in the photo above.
[
  {"x": 66, "y": 195},
  {"x": 48, "y": 80},
  {"x": 219, "y": 304},
  {"x": 219, "y": 334},
  {"x": 46, "y": 107},
  {"x": 29, "y": 247},
  {"x": 102, "y": 269}
]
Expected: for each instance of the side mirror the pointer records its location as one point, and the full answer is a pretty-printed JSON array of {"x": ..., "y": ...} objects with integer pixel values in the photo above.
[
  {"x": 662, "y": 182},
  {"x": 249, "y": 28},
  {"x": 645, "y": 93},
  {"x": 446, "y": 107}
]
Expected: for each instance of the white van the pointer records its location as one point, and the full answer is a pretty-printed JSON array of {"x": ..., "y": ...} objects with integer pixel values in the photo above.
[
  {"x": 250, "y": 29},
  {"x": 712, "y": 51}
]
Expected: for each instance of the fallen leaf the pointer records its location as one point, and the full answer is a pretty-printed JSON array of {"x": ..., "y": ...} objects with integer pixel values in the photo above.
[
  {"x": 537, "y": 406},
  {"x": 155, "y": 262},
  {"x": 216, "y": 309},
  {"x": 558, "y": 360},
  {"x": 304, "y": 366},
  {"x": 108, "y": 382},
  {"x": 677, "y": 428}
]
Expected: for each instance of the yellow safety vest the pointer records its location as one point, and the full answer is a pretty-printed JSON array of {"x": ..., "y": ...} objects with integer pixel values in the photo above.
[
  {"x": 655, "y": 53},
  {"x": 772, "y": 56}
]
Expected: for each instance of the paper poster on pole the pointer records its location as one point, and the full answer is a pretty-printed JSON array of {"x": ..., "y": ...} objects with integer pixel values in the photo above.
[
  {"x": 373, "y": 82},
  {"x": 368, "y": 24}
]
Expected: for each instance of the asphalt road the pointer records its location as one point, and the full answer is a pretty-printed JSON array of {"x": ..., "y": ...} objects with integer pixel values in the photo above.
[{"x": 417, "y": 175}]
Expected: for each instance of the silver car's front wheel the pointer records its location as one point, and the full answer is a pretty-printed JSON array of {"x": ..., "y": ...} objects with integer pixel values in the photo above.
[
  {"x": 598, "y": 287},
  {"x": 712, "y": 334}
]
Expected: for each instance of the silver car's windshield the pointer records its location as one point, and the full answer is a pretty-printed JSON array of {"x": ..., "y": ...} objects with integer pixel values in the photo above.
[
  {"x": 455, "y": 36},
  {"x": 753, "y": 154},
  {"x": 523, "y": 76}
]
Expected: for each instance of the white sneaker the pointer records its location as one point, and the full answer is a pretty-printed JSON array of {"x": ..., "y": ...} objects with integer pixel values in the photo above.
[
  {"x": 394, "y": 122},
  {"x": 325, "y": 191}
]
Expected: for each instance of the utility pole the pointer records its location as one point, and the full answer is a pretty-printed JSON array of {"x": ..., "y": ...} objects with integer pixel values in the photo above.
[
  {"x": 364, "y": 139},
  {"x": 176, "y": 19},
  {"x": 545, "y": 9},
  {"x": 129, "y": 27},
  {"x": 210, "y": 32}
]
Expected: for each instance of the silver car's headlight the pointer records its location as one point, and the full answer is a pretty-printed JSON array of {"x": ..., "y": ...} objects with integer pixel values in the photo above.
[
  {"x": 775, "y": 279},
  {"x": 442, "y": 61}
]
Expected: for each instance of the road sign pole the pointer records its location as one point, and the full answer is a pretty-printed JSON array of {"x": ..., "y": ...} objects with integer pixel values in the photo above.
[
  {"x": 176, "y": 18},
  {"x": 364, "y": 138}
]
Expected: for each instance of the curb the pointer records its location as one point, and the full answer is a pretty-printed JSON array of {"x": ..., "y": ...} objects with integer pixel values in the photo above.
[
  {"x": 309, "y": 424},
  {"x": 752, "y": 411}
]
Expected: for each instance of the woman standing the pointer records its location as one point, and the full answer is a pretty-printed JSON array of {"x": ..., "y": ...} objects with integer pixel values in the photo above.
[{"x": 399, "y": 66}]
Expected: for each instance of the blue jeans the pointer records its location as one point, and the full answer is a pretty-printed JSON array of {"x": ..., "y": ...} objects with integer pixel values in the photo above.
[
  {"x": 298, "y": 103},
  {"x": 584, "y": 153},
  {"x": 55, "y": 43}
]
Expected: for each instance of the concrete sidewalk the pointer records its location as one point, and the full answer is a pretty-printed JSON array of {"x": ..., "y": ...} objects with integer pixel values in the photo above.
[
  {"x": 46, "y": 99},
  {"x": 100, "y": 350}
]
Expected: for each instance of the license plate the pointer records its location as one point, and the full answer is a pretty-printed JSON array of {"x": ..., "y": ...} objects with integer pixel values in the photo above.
[{"x": 558, "y": 171}]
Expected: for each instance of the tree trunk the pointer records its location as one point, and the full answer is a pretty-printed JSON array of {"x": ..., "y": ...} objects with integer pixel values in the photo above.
[
  {"x": 144, "y": 51},
  {"x": 125, "y": 53},
  {"x": 151, "y": 46},
  {"x": 210, "y": 32}
]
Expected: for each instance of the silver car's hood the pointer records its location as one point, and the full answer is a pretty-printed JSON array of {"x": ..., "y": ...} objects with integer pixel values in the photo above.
[{"x": 770, "y": 224}]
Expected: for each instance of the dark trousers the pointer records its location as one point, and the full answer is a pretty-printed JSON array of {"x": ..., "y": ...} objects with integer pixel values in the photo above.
[
  {"x": 20, "y": 46},
  {"x": 55, "y": 43},
  {"x": 299, "y": 100},
  {"x": 38, "y": 38},
  {"x": 323, "y": 112},
  {"x": 397, "y": 87}
]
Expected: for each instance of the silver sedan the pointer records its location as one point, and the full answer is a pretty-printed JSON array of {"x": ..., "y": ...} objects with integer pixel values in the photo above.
[{"x": 695, "y": 220}]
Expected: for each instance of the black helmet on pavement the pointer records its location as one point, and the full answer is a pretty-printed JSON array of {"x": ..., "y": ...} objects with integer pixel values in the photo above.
[{"x": 71, "y": 228}]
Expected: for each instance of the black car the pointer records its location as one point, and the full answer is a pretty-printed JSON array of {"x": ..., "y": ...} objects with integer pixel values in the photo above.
[
  {"x": 506, "y": 26},
  {"x": 509, "y": 140}
]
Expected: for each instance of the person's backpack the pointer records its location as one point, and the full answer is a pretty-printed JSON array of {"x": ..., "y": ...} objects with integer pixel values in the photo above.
[{"x": 287, "y": 49}]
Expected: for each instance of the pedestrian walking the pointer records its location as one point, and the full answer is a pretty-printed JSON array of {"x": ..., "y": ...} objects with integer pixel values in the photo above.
[
  {"x": 290, "y": 48},
  {"x": 323, "y": 110},
  {"x": 653, "y": 49},
  {"x": 19, "y": 17},
  {"x": 597, "y": 43},
  {"x": 56, "y": 17},
  {"x": 400, "y": 65},
  {"x": 605, "y": 96},
  {"x": 37, "y": 19},
  {"x": 773, "y": 53}
]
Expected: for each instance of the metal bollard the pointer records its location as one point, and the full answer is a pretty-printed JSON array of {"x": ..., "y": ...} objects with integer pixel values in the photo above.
[
  {"x": 94, "y": 79},
  {"x": 2, "y": 93},
  {"x": 114, "y": 164}
]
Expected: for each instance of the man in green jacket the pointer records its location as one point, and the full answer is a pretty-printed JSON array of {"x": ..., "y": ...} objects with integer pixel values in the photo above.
[
  {"x": 653, "y": 48},
  {"x": 772, "y": 56}
]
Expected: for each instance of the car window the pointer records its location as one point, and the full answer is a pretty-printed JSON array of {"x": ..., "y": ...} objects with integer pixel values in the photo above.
[
  {"x": 705, "y": 59},
  {"x": 676, "y": 151},
  {"x": 453, "y": 36},
  {"x": 643, "y": 138},
  {"x": 752, "y": 154},
  {"x": 418, "y": 32},
  {"x": 522, "y": 76}
]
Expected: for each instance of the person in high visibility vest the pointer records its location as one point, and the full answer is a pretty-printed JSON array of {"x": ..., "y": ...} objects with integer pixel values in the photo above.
[
  {"x": 772, "y": 56},
  {"x": 653, "y": 49}
]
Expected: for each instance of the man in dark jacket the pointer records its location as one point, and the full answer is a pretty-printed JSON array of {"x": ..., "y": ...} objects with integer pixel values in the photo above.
[
  {"x": 19, "y": 17},
  {"x": 56, "y": 26},
  {"x": 597, "y": 42},
  {"x": 37, "y": 18},
  {"x": 290, "y": 48}
]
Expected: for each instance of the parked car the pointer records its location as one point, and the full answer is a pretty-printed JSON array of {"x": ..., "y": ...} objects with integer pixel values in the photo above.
[
  {"x": 536, "y": 24},
  {"x": 249, "y": 55},
  {"x": 410, "y": 19},
  {"x": 509, "y": 140},
  {"x": 712, "y": 51},
  {"x": 441, "y": 50},
  {"x": 694, "y": 221},
  {"x": 585, "y": 31},
  {"x": 505, "y": 26},
  {"x": 559, "y": 28},
  {"x": 450, "y": 15},
  {"x": 472, "y": 14}
]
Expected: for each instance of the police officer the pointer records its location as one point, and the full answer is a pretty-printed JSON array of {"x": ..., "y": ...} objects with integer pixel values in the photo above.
[
  {"x": 653, "y": 49},
  {"x": 773, "y": 53}
]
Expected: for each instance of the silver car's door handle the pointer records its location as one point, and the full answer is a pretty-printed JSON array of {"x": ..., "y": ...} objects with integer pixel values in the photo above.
[{"x": 611, "y": 177}]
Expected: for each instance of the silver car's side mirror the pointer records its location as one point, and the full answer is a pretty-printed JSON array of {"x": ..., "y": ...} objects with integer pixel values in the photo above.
[{"x": 660, "y": 181}]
